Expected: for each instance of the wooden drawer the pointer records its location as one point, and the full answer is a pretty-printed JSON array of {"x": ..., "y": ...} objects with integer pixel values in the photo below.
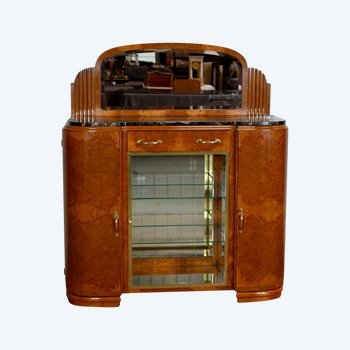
[{"x": 179, "y": 141}]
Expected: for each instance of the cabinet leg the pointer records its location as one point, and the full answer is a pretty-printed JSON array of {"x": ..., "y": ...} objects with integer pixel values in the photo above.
[
  {"x": 94, "y": 301},
  {"x": 243, "y": 297}
]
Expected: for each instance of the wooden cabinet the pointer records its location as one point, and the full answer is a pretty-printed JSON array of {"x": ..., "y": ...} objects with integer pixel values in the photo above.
[
  {"x": 92, "y": 197},
  {"x": 173, "y": 190},
  {"x": 260, "y": 209}
]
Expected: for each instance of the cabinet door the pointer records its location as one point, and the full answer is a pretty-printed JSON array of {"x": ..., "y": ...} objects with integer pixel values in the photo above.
[
  {"x": 261, "y": 185},
  {"x": 92, "y": 197},
  {"x": 178, "y": 230}
]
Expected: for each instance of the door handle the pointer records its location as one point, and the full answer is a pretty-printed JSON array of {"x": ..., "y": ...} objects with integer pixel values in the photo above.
[
  {"x": 116, "y": 223},
  {"x": 240, "y": 219}
]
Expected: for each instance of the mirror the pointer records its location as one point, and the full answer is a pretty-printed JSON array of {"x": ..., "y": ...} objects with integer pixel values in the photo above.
[{"x": 171, "y": 79}]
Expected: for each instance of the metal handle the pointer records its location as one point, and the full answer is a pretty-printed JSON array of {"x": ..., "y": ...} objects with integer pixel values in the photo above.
[
  {"x": 241, "y": 219},
  {"x": 142, "y": 142},
  {"x": 208, "y": 141},
  {"x": 116, "y": 223}
]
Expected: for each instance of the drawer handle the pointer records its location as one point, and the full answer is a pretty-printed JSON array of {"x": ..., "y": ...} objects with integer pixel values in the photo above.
[
  {"x": 116, "y": 223},
  {"x": 142, "y": 142},
  {"x": 208, "y": 141}
]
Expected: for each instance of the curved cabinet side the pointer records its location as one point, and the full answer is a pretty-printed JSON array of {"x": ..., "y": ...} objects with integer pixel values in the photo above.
[
  {"x": 260, "y": 208},
  {"x": 91, "y": 164}
]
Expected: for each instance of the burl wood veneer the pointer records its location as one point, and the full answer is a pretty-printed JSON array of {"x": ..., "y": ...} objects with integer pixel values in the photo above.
[{"x": 224, "y": 131}]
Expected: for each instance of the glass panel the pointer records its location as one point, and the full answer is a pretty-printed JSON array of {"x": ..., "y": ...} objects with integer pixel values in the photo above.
[
  {"x": 178, "y": 215},
  {"x": 171, "y": 79}
]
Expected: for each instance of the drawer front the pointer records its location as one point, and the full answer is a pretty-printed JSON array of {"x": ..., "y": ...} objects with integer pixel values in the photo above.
[{"x": 179, "y": 141}]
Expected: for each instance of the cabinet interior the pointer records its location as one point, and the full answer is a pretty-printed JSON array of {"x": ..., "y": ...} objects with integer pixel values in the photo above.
[{"x": 178, "y": 221}]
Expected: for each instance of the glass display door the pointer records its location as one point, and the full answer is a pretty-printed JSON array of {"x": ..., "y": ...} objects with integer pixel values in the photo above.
[{"x": 177, "y": 219}]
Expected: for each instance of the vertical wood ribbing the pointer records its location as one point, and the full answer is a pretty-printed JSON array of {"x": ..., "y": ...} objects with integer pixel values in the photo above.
[
  {"x": 93, "y": 95},
  {"x": 261, "y": 91},
  {"x": 249, "y": 93},
  {"x": 252, "y": 87},
  {"x": 258, "y": 100},
  {"x": 77, "y": 98},
  {"x": 268, "y": 99},
  {"x": 76, "y": 101},
  {"x": 81, "y": 99},
  {"x": 257, "y": 92},
  {"x": 83, "y": 96},
  {"x": 263, "y": 96},
  {"x": 89, "y": 95},
  {"x": 72, "y": 107},
  {"x": 82, "y": 87}
]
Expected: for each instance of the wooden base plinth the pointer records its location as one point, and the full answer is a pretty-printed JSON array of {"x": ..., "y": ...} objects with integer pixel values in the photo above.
[
  {"x": 243, "y": 297},
  {"x": 93, "y": 301}
]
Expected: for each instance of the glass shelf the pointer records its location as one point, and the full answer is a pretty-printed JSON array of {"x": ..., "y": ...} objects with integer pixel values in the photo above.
[
  {"x": 155, "y": 179},
  {"x": 176, "y": 227},
  {"x": 180, "y": 253},
  {"x": 179, "y": 249},
  {"x": 179, "y": 279},
  {"x": 162, "y": 206},
  {"x": 178, "y": 179},
  {"x": 174, "y": 245},
  {"x": 179, "y": 197}
]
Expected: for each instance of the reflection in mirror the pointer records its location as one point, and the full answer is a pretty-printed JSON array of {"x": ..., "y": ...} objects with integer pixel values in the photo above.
[{"x": 171, "y": 79}]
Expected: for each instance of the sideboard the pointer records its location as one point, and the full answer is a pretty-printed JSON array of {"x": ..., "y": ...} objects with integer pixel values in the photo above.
[{"x": 174, "y": 176}]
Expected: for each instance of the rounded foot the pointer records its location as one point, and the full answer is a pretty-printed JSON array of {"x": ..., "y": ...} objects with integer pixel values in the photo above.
[
  {"x": 93, "y": 301},
  {"x": 243, "y": 297}
]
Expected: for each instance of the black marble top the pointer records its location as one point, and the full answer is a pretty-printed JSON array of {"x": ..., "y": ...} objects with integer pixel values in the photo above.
[{"x": 246, "y": 121}]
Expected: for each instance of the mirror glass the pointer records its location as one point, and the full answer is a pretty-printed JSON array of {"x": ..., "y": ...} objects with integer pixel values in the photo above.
[{"x": 171, "y": 79}]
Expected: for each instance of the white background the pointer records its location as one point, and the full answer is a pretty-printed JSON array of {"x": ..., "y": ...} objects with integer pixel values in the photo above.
[{"x": 303, "y": 49}]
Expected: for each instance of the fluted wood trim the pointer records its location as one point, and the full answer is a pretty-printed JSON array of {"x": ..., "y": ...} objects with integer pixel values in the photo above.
[
  {"x": 258, "y": 99},
  {"x": 83, "y": 96},
  {"x": 268, "y": 98}
]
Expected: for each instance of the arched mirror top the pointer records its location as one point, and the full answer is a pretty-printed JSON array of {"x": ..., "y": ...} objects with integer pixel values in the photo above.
[
  {"x": 169, "y": 81},
  {"x": 201, "y": 48},
  {"x": 171, "y": 76}
]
